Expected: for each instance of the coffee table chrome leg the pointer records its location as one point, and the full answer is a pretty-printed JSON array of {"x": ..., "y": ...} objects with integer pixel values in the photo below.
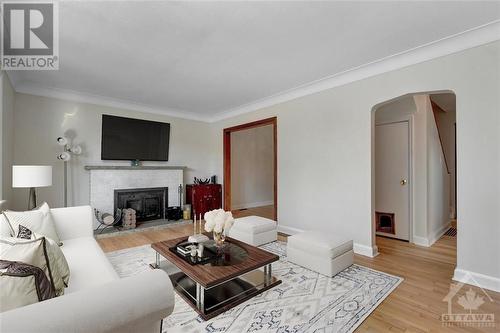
[
  {"x": 200, "y": 297},
  {"x": 157, "y": 260},
  {"x": 267, "y": 274}
]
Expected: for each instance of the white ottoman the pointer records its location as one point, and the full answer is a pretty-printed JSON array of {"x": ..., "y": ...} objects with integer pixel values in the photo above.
[
  {"x": 325, "y": 253},
  {"x": 254, "y": 230}
]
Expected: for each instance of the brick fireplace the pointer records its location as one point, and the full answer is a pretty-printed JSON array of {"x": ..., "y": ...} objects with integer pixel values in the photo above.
[{"x": 105, "y": 179}]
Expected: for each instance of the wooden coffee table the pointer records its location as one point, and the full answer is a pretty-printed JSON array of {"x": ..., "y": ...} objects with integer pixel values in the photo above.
[{"x": 242, "y": 272}]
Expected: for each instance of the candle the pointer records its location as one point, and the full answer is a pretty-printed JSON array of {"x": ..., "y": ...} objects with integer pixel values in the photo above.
[
  {"x": 200, "y": 223},
  {"x": 194, "y": 225}
]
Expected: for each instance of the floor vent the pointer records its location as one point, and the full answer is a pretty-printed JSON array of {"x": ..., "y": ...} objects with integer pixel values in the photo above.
[{"x": 451, "y": 232}]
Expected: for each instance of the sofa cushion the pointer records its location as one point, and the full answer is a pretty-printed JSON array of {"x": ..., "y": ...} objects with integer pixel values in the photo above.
[
  {"x": 38, "y": 220},
  {"x": 328, "y": 244},
  {"x": 254, "y": 224},
  {"x": 5, "y": 230},
  {"x": 87, "y": 263}
]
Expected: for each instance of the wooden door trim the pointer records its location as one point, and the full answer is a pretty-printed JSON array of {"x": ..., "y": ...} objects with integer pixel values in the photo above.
[{"x": 227, "y": 158}]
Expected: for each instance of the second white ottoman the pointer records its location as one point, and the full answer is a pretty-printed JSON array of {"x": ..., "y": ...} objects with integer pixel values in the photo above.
[
  {"x": 254, "y": 230},
  {"x": 322, "y": 252}
]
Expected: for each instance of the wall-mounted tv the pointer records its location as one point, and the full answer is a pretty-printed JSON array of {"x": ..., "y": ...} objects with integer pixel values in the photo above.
[{"x": 134, "y": 139}]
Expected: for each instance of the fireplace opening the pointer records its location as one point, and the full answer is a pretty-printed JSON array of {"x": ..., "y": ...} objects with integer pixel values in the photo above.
[
  {"x": 384, "y": 222},
  {"x": 148, "y": 203}
]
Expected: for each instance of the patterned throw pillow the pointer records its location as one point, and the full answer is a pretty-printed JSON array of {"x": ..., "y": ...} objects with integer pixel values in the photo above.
[
  {"x": 57, "y": 260},
  {"x": 38, "y": 220},
  {"x": 22, "y": 284},
  {"x": 30, "y": 252},
  {"x": 24, "y": 232}
]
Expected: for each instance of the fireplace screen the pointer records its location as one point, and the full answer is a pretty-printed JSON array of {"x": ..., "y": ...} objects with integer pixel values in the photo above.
[{"x": 148, "y": 203}]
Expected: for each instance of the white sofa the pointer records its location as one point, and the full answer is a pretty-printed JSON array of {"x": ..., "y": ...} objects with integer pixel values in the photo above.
[{"x": 96, "y": 300}]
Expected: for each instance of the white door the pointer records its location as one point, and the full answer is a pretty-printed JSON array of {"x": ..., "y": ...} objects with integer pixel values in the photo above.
[{"x": 392, "y": 156}]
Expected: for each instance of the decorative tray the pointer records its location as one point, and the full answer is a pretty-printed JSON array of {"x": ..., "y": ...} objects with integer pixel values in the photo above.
[{"x": 182, "y": 250}]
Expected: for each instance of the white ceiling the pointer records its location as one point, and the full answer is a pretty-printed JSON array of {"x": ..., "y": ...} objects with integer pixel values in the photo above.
[{"x": 200, "y": 59}]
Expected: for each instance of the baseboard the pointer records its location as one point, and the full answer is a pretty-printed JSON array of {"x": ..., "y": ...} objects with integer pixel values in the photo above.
[
  {"x": 252, "y": 205},
  {"x": 477, "y": 279},
  {"x": 367, "y": 251},
  {"x": 288, "y": 230},
  {"x": 437, "y": 234},
  {"x": 423, "y": 241}
]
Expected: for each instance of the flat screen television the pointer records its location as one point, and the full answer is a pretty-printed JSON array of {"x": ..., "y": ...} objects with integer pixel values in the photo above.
[{"x": 134, "y": 139}]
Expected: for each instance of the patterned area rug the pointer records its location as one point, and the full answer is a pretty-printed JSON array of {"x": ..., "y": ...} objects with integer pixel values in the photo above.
[{"x": 305, "y": 301}]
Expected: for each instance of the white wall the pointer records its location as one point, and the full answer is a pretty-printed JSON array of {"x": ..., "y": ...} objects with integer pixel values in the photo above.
[
  {"x": 325, "y": 152},
  {"x": 40, "y": 120},
  {"x": 446, "y": 123},
  {"x": 395, "y": 110},
  {"x": 7, "y": 137},
  {"x": 252, "y": 167},
  {"x": 438, "y": 179}
]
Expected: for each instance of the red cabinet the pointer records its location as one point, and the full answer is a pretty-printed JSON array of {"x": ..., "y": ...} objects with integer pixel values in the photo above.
[{"x": 204, "y": 198}]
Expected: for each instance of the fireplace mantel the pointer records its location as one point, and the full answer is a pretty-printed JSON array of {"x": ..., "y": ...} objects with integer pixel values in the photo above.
[{"x": 127, "y": 167}]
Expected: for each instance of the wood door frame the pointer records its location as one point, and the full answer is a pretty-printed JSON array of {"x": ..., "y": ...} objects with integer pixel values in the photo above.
[{"x": 227, "y": 158}]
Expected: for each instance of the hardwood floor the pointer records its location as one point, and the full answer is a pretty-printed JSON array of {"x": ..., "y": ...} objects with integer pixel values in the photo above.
[{"x": 417, "y": 303}]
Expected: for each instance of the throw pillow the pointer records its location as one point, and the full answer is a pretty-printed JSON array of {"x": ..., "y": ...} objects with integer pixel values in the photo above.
[
  {"x": 5, "y": 230},
  {"x": 58, "y": 265},
  {"x": 38, "y": 220},
  {"x": 22, "y": 284},
  {"x": 48, "y": 220},
  {"x": 57, "y": 260},
  {"x": 30, "y": 252}
]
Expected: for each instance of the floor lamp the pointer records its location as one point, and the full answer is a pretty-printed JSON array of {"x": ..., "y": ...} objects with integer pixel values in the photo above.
[
  {"x": 65, "y": 156},
  {"x": 31, "y": 176}
]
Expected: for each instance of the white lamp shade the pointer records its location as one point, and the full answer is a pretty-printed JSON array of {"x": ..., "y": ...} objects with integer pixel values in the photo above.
[{"x": 31, "y": 175}]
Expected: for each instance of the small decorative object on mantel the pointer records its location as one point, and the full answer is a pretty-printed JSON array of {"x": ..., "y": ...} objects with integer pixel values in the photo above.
[
  {"x": 219, "y": 222},
  {"x": 199, "y": 181},
  {"x": 128, "y": 218},
  {"x": 197, "y": 236}
]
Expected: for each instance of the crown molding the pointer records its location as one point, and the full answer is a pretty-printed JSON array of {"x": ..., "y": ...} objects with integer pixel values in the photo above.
[
  {"x": 452, "y": 44},
  {"x": 79, "y": 97},
  {"x": 481, "y": 35}
]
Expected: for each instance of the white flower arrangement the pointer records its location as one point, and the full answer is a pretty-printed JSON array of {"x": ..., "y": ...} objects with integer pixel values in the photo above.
[{"x": 218, "y": 221}]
